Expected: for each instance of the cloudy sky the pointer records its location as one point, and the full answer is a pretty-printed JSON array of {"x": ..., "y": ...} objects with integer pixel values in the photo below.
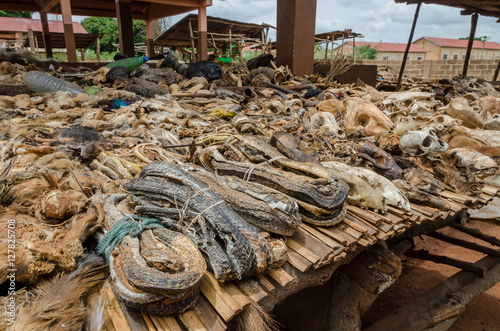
[{"x": 376, "y": 19}]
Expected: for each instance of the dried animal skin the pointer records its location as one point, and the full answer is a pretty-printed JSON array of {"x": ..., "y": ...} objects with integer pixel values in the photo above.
[
  {"x": 490, "y": 137},
  {"x": 480, "y": 164},
  {"x": 424, "y": 141},
  {"x": 332, "y": 106},
  {"x": 493, "y": 123},
  {"x": 442, "y": 122},
  {"x": 459, "y": 108},
  {"x": 491, "y": 104},
  {"x": 423, "y": 181},
  {"x": 56, "y": 205},
  {"x": 460, "y": 136},
  {"x": 382, "y": 161},
  {"x": 416, "y": 195},
  {"x": 361, "y": 114},
  {"x": 382, "y": 185}
]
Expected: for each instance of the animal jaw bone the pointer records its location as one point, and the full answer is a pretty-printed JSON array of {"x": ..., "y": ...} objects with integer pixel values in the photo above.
[{"x": 424, "y": 141}]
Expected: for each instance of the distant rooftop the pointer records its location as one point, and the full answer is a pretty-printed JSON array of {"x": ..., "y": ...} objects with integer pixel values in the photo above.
[
  {"x": 461, "y": 43},
  {"x": 17, "y": 24},
  {"x": 389, "y": 47}
]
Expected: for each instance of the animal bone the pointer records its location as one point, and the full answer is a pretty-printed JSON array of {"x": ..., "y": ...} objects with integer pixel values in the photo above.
[
  {"x": 324, "y": 119},
  {"x": 362, "y": 114},
  {"x": 480, "y": 164},
  {"x": 441, "y": 122},
  {"x": 493, "y": 123},
  {"x": 459, "y": 108},
  {"x": 424, "y": 141},
  {"x": 382, "y": 185}
]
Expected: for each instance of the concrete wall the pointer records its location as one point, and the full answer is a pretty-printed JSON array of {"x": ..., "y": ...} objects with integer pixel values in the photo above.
[
  {"x": 391, "y": 56},
  {"x": 440, "y": 68},
  {"x": 437, "y": 53}
]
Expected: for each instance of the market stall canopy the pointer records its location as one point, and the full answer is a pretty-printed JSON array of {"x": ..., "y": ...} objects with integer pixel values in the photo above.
[
  {"x": 143, "y": 10},
  {"x": 485, "y": 7},
  {"x": 179, "y": 34},
  {"x": 337, "y": 35},
  {"x": 82, "y": 40}
]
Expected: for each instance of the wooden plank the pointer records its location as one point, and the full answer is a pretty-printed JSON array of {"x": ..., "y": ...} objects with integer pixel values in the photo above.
[
  {"x": 281, "y": 276},
  {"x": 209, "y": 316},
  {"x": 302, "y": 250},
  {"x": 371, "y": 229},
  {"x": 339, "y": 235},
  {"x": 456, "y": 207},
  {"x": 351, "y": 231},
  {"x": 364, "y": 242},
  {"x": 312, "y": 243},
  {"x": 371, "y": 217},
  {"x": 114, "y": 310},
  {"x": 191, "y": 321},
  {"x": 422, "y": 210},
  {"x": 385, "y": 227},
  {"x": 225, "y": 310},
  {"x": 236, "y": 294},
  {"x": 252, "y": 289},
  {"x": 298, "y": 261},
  {"x": 322, "y": 237},
  {"x": 396, "y": 211},
  {"x": 169, "y": 323},
  {"x": 394, "y": 219},
  {"x": 149, "y": 322},
  {"x": 266, "y": 284},
  {"x": 108, "y": 324},
  {"x": 491, "y": 190},
  {"x": 159, "y": 325}
]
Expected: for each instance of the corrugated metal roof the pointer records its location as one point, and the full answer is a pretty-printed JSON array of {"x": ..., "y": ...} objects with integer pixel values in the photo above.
[
  {"x": 462, "y": 43},
  {"x": 389, "y": 47},
  {"x": 18, "y": 24}
]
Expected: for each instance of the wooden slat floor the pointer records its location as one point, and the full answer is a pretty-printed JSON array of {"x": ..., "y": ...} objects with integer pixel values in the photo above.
[{"x": 311, "y": 247}]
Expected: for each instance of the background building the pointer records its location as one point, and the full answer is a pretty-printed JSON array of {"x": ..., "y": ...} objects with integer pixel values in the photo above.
[
  {"x": 455, "y": 49},
  {"x": 387, "y": 51}
]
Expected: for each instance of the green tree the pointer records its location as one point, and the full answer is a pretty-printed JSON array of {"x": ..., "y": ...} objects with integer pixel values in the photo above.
[
  {"x": 6, "y": 13},
  {"x": 109, "y": 28},
  {"x": 366, "y": 52}
]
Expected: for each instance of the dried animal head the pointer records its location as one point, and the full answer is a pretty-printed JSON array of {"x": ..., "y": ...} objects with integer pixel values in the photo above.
[
  {"x": 479, "y": 164},
  {"x": 459, "y": 136},
  {"x": 491, "y": 104},
  {"x": 332, "y": 105},
  {"x": 490, "y": 137},
  {"x": 493, "y": 123},
  {"x": 389, "y": 142},
  {"x": 414, "y": 142},
  {"x": 459, "y": 108},
  {"x": 324, "y": 119},
  {"x": 275, "y": 107},
  {"x": 441, "y": 122},
  {"x": 382, "y": 161},
  {"x": 362, "y": 114}
]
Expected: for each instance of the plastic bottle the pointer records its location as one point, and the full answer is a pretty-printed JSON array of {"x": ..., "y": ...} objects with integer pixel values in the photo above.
[
  {"x": 37, "y": 81},
  {"x": 130, "y": 63}
]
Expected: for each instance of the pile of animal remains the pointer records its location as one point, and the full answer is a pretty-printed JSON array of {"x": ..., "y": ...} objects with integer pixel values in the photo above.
[{"x": 209, "y": 175}]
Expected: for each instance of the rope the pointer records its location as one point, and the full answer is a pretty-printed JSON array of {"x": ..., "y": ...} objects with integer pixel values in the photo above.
[{"x": 128, "y": 225}]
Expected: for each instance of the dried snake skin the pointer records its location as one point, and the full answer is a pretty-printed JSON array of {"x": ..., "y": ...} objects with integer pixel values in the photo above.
[
  {"x": 242, "y": 250},
  {"x": 158, "y": 273}
]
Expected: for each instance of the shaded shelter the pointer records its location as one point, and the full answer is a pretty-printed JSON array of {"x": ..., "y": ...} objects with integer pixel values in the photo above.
[
  {"x": 82, "y": 41},
  {"x": 332, "y": 36},
  {"x": 221, "y": 33},
  {"x": 123, "y": 10},
  {"x": 485, "y": 7}
]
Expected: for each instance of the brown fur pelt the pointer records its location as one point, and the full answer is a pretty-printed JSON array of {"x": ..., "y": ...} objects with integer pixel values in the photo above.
[
  {"x": 256, "y": 319},
  {"x": 61, "y": 303}
]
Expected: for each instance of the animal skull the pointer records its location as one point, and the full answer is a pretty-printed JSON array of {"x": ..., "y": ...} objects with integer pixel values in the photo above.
[
  {"x": 421, "y": 141},
  {"x": 324, "y": 119},
  {"x": 459, "y": 108},
  {"x": 362, "y": 114},
  {"x": 441, "y": 122},
  {"x": 493, "y": 123},
  {"x": 480, "y": 164}
]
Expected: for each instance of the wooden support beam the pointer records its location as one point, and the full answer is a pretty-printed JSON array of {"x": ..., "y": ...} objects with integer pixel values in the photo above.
[
  {"x": 495, "y": 76},
  {"x": 202, "y": 34},
  {"x": 125, "y": 27},
  {"x": 477, "y": 234},
  {"x": 46, "y": 35},
  {"x": 98, "y": 50},
  {"x": 464, "y": 243},
  {"x": 47, "y": 5},
  {"x": 407, "y": 50},
  {"x": 82, "y": 54},
  {"x": 31, "y": 38},
  {"x": 191, "y": 35},
  {"x": 473, "y": 25},
  {"x": 150, "y": 39},
  {"x": 69, "y": 36},
  {"x": 424, "y": 255}
]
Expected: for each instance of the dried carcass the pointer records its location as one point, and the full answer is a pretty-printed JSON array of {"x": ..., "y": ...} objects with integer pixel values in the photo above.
[
  {"x": 382, "y": 161},
  {"x": 479, "y": 164},
  {"x": 459, "y": 108},
  {"x": 493, "y": 123},
  {"x": 424, "y": 141},
  {"x": 361, "y": 114},
  {"x": 326, "y": 120}
]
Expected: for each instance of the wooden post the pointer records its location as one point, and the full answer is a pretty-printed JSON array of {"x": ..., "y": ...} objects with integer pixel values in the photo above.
[
  {"x": 326, "y": 49},
  {"x": 31, "y": 38},
  {"x": 46, "y": 35},
  {"x": 192, "y": 40},
  {"x": 125, "y": 27},
  {"x": 150, "y": 39},
  {"x": 82, "y": 54},
  {"x": 354, "y": 49},
  {"x": 473, "y": 25},
  {"x": 98, "y": 50},
  {"x": 240, "y": 46},
  {"x": 69, "y": 36},
  {"x": 202, "y": 34},
  {"x": 36, "y": 46},
  {"x": 230, "y": 44},
  {"x": 407, "y": 50},
  {"x": 495, "y": 76}
]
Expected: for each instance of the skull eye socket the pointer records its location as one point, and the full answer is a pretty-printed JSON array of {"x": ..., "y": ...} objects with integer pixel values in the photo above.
[
  {"x": 440, "y": 119},
  {"x": 426, "y": 142},
  {"x": 320, "y": 121},
  {"x": 364, "y": 120}
]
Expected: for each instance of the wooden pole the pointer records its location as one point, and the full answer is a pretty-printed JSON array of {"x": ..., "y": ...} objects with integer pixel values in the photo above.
[
  {"x": 326, "y": 49},
  {"x": 69, "y": 36},
  {"x": 98, "y": 50},
  {"x": 473, "y": 25},
  {"x": 354, "y": 49},
  {"x": 31, "y": 38},
  {"x": 192, "y": 40},
  {"x": 495, "y": 76},
  {"x": 230, "y": 45},
  {"x": 46, "y": 35},
  {"x": 202, "y": 34},
  {"x": 407, "y": 50},
  {"x": 424, "y": 255},
  {"x": 150, "y": 51},
  {"x": 82, "y": 54},
  {"x": 125, "y": 27}
]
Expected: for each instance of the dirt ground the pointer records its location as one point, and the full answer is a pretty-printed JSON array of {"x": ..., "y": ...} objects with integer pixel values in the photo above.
[{"x": 483, "y": 313}]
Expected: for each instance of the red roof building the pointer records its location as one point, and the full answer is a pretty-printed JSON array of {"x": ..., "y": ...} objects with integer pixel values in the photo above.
[
  {"x": 387, "y": 51},
  {"x": 455, "y": 49}
]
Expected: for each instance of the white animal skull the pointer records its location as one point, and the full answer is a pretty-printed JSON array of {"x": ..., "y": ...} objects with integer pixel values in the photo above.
[
  {"x": 324, "y": 119},
  {"x": 361, "y": 114},
  {"x": 425, "y": 141}
]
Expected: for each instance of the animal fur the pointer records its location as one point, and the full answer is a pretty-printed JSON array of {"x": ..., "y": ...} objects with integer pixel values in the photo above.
[
  {"x": 61, "y": 300},
  {"x": 256, "y": 319}
]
